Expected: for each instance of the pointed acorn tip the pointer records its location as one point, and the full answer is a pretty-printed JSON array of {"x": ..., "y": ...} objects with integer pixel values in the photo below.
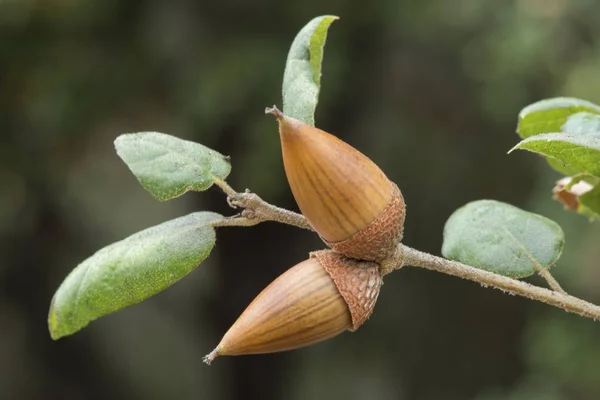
[
  {"x": 210, "y": 357},
  {"x": 274, "y": 111}
]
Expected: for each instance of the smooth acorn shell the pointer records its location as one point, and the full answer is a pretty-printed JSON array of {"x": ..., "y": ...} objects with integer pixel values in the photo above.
[
  {"x": 344, "y": 195},
  {"x": 313, "y": 301},
  {"x": 338, "y": 189},
  {"x": 378, "y": 240}
]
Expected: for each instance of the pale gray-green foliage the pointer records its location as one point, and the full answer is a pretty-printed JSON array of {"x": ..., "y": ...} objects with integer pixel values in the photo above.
[
  {"x": 551, "y": 114},
  {"x": 135, "y": 268},
  {"x": 501, "y": 238},
  {"x": 583, "y": 123},
  {"x": 131, "y": 270},
  {"x": 167, "y": 166},
  {"x": 534, "y": 49},
  {"x": 567, "y": 132},
  {"x": 581, "y": 153},
  {"x": 302, "y": 75}
]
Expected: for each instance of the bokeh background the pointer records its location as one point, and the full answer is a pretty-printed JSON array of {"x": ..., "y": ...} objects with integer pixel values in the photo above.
[{"x": 428, "y": 89}]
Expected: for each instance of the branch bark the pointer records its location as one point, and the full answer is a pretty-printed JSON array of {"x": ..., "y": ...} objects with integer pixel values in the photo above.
[
  {"x": 558, "y": 299},
  {"x": 256, "y": 210}
]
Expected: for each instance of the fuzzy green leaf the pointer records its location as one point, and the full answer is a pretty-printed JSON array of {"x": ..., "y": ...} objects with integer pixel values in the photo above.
[
  {"x": 131, "y": 270},
  {"x": 550, "y": 115},
  {"x": 561, "y": 167},
  {"x": 501, "y": 238},
  {"x": 302, "y": 75},
  {"x": 580, "y": 153},
  {"x": 167, "y": 166}
]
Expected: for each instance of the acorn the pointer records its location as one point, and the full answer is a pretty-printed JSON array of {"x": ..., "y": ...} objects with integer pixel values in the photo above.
[
  {"x": 313, "y": 301},
  {"x": 346, "y": 197}
]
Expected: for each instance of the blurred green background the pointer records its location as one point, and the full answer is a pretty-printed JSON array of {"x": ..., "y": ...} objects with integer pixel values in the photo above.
[{"x": 428, "y": 89}]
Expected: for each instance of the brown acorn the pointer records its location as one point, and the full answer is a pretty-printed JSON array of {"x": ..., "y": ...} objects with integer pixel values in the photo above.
[
  {"x": 313, "y": 301},
  {"x": 345, "y": 196}
]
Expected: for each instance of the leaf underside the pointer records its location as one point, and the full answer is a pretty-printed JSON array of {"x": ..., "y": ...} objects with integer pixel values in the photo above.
[
  {"x": 583, "y": 123},
  {"x": 560, "y": 115}
]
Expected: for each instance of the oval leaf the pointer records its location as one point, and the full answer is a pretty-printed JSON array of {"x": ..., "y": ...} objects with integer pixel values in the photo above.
[
  {"x": 130, "y": 271},
  {"x": 501, "y": 238},
  {"x": 580, "y": 153},
  {"x": 302, "y": 75},
  {"x": 167, "y": 166},
  {"x": 550, "y": 115}
]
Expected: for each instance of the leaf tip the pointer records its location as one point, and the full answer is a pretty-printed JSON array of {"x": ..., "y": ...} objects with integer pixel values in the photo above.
[
  {"x": 53, "y": 322},
  {"x": 119, "y": 140},
  {"x": 328, "y": 19},
  {"x": 513, "y": 149}
]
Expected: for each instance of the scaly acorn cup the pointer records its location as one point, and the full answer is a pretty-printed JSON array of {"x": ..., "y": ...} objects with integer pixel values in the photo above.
[
  {"x": 313, "y": 301},
  {"x": 345, "y": 196}
]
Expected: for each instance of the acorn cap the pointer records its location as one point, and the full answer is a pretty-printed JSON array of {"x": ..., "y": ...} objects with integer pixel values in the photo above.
[
  {"x": 359, "y": 283},
  {"x": 313, "y": 301}
]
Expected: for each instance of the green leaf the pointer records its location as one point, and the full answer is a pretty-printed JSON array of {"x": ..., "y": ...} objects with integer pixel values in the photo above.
[
  {"x": 302, "y": 75},
  {"x": 581, "y": 153},
  {"x": 591, "y": 203},
  {"x": 131, "y": 270},
  {"x": 501, "y": 238},
  {"x": 583, "y": 123},
  {"x": 561, "y": 167},
  {"x": 550, "y": 115},
  {"x": 167, "y": 166}
]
